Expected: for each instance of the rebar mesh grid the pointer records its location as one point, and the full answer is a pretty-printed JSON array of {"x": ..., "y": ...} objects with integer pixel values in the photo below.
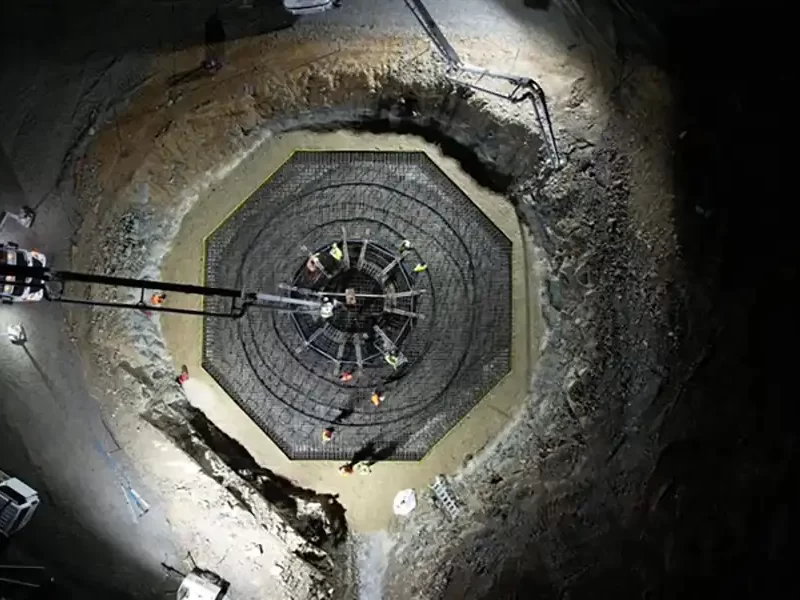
[{"x": 456, "y": 353}]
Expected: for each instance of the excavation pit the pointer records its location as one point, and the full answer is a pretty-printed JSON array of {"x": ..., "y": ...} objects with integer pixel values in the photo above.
[{"x": 368, "y": 499}]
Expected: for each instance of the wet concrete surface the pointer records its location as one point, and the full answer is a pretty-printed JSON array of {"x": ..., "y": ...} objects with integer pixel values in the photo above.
[{"x": 367, "y": 499}]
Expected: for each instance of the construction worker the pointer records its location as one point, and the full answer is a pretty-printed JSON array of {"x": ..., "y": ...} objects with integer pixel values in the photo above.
[
  {"x": 336, "y": 252},
  {"x": 392, "y": 359},
  {"x": 405, "y": 246},
  {"x": 420, "y": 268},
  {"x": 326, "y": 309},
  {"x": 158, "y": 298},
  {"x": 377, "y": 397},
  {"x": 345, "y": 470},
  {"x": 327, "y": 435},
  {"x": 313, "y": 264},
  {"x": 346, "y": 377}
]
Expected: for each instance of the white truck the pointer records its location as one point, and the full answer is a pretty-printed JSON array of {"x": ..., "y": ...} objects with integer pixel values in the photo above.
[
  {"x": 203, "y": 585},
  {"x": 309, "y": 7},
  {"x": 18, "y": 502}
]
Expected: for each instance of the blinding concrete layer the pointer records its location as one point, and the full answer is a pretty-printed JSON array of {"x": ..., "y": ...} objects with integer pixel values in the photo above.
[{"x": 368, "y": 499}]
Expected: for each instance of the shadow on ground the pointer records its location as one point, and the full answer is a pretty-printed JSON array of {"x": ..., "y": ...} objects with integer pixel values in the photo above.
[
  {"x": 85, "y": 574},
  {"x": 184, "y": 424}
]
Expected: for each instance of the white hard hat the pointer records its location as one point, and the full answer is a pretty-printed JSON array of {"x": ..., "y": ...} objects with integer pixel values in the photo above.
[{"x": 404, "y": 502}]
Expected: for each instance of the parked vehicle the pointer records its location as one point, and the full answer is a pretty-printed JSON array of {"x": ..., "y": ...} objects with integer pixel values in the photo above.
[
  {"x": 203, "y": 585},
  {"x": 13, "y": 290},
  {"x": 18, "y": 502}
]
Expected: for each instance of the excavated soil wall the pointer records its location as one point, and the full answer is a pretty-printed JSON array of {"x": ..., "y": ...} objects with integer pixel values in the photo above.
[
  {"x": 172, "y": 141},
  {"x": 552, "y": 503},
  {"x": 602, "y": 227}
]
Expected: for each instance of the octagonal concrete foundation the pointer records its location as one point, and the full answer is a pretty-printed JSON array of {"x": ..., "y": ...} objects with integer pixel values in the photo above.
[
  {"x": 367, "y": 498},
  {"x": 284, "y": 369}
]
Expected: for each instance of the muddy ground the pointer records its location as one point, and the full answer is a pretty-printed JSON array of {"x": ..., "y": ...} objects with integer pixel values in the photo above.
[{"x": 600, "y": 390}]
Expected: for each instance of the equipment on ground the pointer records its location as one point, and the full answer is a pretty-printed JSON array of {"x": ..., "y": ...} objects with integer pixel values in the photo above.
[
  {"x": 469, "y": 76},
  {"x": 20, "y": 289},
  {"x": 24, "y": 217},
  {"x": 445, "y": 496},
  {"x": 27, "y": 277},
  {"x": 18, "y": 502},
  {"x": 202, "y": 585}
]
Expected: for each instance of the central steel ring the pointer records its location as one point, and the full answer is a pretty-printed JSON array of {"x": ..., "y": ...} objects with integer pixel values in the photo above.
[
  {"x": 366, "y": 310},
  {"x": 374, "y": 275}
]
